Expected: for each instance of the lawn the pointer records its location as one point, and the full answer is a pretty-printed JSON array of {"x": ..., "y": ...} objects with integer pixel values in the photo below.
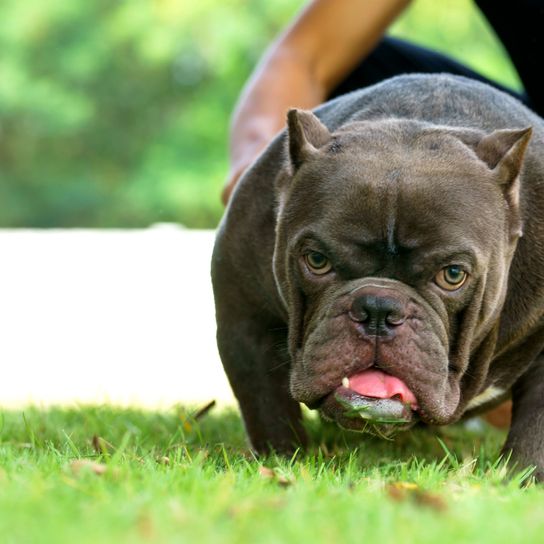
[{"x": 103, "y": 474}]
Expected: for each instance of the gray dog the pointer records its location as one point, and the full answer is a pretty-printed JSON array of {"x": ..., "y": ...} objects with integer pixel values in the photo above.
[{"x": 383, "y": 262}]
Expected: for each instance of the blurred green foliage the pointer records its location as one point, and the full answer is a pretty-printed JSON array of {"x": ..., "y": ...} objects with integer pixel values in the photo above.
[{"x": 115, "y": 114}]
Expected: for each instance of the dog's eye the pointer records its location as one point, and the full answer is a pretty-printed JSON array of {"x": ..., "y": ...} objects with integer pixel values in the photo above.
[
  {"x": 451, "y": 277},
  {"x": 317, "y": 262}
]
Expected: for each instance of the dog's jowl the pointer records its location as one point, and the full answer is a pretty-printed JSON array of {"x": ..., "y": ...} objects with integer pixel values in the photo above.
[{"x": 383, "y": 262}]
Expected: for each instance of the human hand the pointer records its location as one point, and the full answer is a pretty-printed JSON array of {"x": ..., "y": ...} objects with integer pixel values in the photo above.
[{"x": 232, "y": 179}]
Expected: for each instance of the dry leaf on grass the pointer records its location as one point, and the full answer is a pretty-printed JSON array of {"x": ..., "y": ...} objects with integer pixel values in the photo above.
[
  {"x": 271, "y": 474},
  {"x": 408, "y": 491},
  {"x": 405, "y": 485},
  {"x": 199, "y": 414},
  {"x": 85, "y": 464},
  {"x": 432, "y": 500},
  {"x": 266, "y": 472},
  {"x": 204, "y": 410},
  {"x": 395, "y": 493},
  {"x": 101, "y": 445}
]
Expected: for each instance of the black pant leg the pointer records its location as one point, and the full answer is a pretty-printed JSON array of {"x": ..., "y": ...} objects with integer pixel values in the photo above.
[
  {"x": 393, "y": 57},
  {"x": 519, "y": 25}
]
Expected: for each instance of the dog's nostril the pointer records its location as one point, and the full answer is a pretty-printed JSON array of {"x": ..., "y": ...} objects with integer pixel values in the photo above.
[
  {"x": 395, "y": 319},
  {"x": 358, "y": 314},
  {"x": 379, "y": 314},
  {"x": 363, "y": 308}
]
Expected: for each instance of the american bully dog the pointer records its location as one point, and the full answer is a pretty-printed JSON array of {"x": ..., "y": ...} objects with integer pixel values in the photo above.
[{"x": 383, "y": 262}]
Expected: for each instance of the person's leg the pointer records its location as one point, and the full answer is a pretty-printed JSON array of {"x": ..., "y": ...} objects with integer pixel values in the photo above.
[
  {"x": 393, "y": 57},
  {"x": 520, "y": 27}
]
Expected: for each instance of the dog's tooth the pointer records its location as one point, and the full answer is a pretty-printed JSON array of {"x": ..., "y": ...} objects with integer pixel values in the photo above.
[{"x": 345, "y": 382}]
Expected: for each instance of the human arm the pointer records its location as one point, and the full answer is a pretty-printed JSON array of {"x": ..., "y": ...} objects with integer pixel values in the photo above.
[{"x": 325, "y": 41}]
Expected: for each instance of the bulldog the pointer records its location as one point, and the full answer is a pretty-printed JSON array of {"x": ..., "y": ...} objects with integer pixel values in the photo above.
[{"x": 382, "y": 262}]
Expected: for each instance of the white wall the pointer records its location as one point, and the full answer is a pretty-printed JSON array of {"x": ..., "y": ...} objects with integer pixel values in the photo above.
[{"x": 124, "y": 316}]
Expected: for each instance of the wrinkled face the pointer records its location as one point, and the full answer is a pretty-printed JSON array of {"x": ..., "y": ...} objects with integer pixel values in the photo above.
[{"x": 392, "y": 258}]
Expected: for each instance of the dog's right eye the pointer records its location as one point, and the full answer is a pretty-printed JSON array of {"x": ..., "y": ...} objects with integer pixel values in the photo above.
[
  {"x": 317, "y": 262},
  {"x": 451, "y": 278}
]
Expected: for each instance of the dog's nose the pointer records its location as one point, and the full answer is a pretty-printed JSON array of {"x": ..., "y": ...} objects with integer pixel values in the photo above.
[{"x": 379, "y": 315}]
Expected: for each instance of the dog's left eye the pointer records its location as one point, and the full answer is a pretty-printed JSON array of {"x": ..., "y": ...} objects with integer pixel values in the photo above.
[
  {"x": 451, "y": 277},
  {"x": 317, "y": 262}
]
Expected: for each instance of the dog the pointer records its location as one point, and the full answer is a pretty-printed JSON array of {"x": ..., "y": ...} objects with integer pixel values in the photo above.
[{"x": 382, "y": 261}]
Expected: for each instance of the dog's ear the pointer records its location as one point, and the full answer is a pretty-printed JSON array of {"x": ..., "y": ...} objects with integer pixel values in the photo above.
[
  {"x": 306, "y": 134},
  {"x": 503, "y": 151}
]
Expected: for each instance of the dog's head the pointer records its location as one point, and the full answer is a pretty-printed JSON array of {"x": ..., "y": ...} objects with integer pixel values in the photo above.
[{"x": 394, "y": 242}]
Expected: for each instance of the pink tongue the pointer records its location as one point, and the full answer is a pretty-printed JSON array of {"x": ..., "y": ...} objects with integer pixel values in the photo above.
[{"x": 377, "y": 384}]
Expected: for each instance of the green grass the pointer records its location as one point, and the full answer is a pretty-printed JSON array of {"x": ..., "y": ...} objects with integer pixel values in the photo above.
[{"x": 425, "y": 486}]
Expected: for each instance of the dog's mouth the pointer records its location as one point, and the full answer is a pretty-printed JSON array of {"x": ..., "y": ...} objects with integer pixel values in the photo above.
[{"x": 371, "y": 400}]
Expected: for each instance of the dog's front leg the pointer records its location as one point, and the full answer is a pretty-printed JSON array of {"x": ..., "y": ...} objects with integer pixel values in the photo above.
[{"x": 253, "y": 349}]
